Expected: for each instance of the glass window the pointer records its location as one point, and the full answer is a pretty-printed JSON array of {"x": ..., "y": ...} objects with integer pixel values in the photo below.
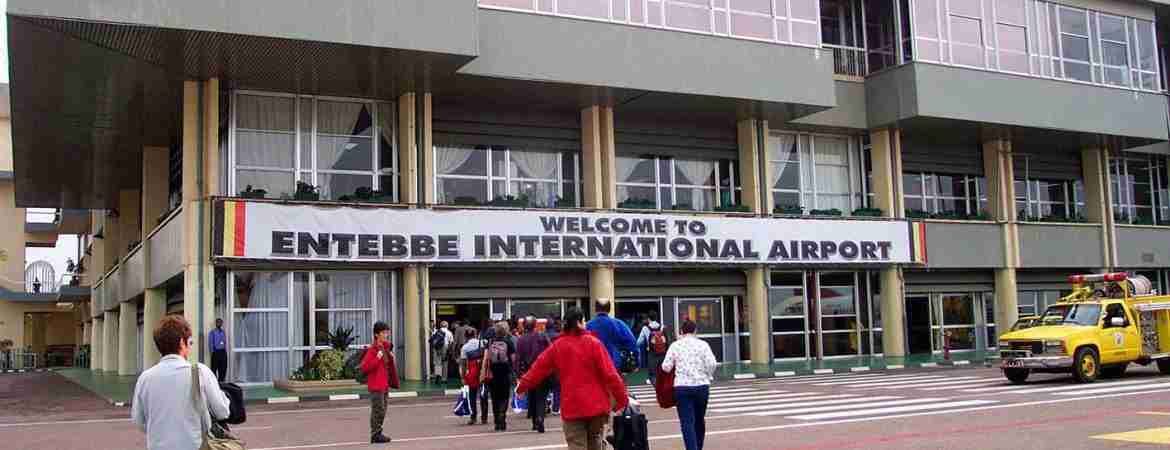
[
  {"x": 338, "y": 152},
  {"x": 516, "y": 177},
  {"x": 814, "y": 172},
  {"x": 1139, "y": 185},
  {"x": 661, "y": 182}
]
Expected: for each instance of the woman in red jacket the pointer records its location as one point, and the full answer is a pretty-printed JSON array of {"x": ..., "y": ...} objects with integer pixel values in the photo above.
[
  {"x": 588, "y": 382},
  {"x": 382, "y": 374}
]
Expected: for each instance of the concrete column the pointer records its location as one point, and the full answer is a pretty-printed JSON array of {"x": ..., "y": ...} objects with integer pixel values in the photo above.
[
  {"x": 154, "y": 307},
  {"x": 155, "y": 186},
  {"x": 1098, "y": 197},
  {"x": 87, "y": 332},
  {"x": 749, "y": 167},
  {"x": 757, "y": 300},
  {"x": 410, "y": 118},
  {"x": 426, "y": 147},
  {"x": 129, "y": 218},
  {"x": 416, "y": 299},
  {"x": 200, "y": 180},
  {"x": 110, "y": 342},
  {"x": 1006, "y": 301},
  {"x": 893, "y": 307},
  {"x": 127, "y": 338},
  {"x": 886, "y": 155},
  {"x": 601, "y": 286},
  {"x": 95, "y": 342},
  {"x": 598, "y": 158},
  {"x": 999, "y": 168}
]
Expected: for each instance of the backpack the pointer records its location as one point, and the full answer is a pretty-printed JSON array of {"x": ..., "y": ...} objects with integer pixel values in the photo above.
[
  {"x": 438, "y": 340},
  {"x": 658, "y": 342},
  {"x": 498, "y": 352}
]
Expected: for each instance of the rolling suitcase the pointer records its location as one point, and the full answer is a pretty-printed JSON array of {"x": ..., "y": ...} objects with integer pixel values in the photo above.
[{"x": 629, "y": 430}]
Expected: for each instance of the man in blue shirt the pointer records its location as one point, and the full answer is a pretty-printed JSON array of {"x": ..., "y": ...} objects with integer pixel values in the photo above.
[
  {"x": 217, "y": 342},
  {"x": 615, "y": 334}
]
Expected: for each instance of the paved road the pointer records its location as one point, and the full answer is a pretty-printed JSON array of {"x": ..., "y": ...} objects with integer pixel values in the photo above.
[{"x": 922, "y": 409}]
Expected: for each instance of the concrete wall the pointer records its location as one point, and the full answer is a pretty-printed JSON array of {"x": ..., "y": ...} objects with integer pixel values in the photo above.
[
  {"x": 949, "y": 245},
  {"x": 1056, "y": 245},
  {"x": 166, "y": 251},
  {"x": 546, "y": 48},
  {"x": 59, "y": 330},
  {"x": 133, "y": 276},
  {"x": 447, "y": 26},
  {"x": 5, "y": 145},
  {"x": 850, "y": 111},
  {"x": 1143, "y": 247},
  {"x": 12, "y": 239},
  {"x": 931, "y": 90}
]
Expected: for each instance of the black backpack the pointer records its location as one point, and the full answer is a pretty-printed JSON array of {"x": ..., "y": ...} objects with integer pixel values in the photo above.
[
  {"x": 630, "y": 431},
  {"x": 236, "y": 412},
  {"x": 438, "y": 340}
]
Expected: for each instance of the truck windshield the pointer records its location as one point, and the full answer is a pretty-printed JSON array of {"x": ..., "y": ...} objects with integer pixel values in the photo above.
[{"x": 1073, "y": 314}]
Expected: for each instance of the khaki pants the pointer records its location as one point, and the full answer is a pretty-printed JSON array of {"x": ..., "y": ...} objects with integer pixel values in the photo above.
[
  {"x": 585, "y": 434},
  {"x": 377, "y": 412}
]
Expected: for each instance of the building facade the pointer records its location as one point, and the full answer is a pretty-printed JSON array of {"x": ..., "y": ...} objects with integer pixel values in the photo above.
[{"x": 806, "y": 179}]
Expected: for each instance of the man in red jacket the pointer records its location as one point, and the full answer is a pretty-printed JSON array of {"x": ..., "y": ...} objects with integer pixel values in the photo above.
[
  {"x": 590, "y": 386},
  {"x": 378, "y": 365}
]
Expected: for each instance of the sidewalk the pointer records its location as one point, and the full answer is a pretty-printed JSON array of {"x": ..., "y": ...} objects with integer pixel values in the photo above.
[{"x": 118, "y": 389}]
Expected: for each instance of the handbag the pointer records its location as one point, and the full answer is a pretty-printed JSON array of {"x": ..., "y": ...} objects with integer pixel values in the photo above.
[
  {"x": 664, "y": 388},
  {"x": 462, "y": 406},
  {"x": 209, "y": 442}
]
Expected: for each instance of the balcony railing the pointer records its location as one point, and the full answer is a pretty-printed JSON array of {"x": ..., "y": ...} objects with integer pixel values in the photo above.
[{"x": 849, "y": 61}]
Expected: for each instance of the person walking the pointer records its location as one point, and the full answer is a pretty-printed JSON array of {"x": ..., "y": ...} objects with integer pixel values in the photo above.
[
  {"x": 440, "y": 341},
  {"x": 649, "y": 324},
  {"x": 614, "y": 334},
  {"x": 588, "y": 378},
  {"x": 693, "y": 364},
  {"x": 656, "y": 346},
  {"x": 382, "y": 375},
  {"x": 500, "y": 358},
  {"x": 528, "y": 349},
  {"x": 553, "y": 331},
  {"x": 471, "y": 358},
  {"x": 162, "y": 406},
  {"x": 217, "y": 342}
]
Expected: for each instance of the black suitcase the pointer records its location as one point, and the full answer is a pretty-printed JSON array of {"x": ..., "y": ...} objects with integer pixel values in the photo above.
[
  {"x": 630, "y": 430},
  {"x": 235, "y": 394}
]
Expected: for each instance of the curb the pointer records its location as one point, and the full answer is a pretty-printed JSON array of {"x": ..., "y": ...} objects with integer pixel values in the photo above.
[{"x": 7, "y": 371}]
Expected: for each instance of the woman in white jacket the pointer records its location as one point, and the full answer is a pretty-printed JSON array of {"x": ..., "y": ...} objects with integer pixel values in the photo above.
[{"x": 694, "y": 366}]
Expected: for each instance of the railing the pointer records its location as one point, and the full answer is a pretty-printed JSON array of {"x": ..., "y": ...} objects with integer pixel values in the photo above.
[
  {"x": 18, "y": 359},
  {"x": 848, "y": 60}
]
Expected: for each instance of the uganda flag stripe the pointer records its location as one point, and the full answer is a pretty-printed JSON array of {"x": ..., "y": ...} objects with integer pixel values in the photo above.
[
  {"x": 918, "y": 241},
  {"x": 234, "y": 220}
]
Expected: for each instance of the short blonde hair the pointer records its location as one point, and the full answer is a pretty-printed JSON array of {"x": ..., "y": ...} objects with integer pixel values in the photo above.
[{"x": 501, "y": 329}]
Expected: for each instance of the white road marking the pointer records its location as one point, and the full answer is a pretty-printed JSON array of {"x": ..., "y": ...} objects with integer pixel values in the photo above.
[
  {"x": 930, "y": 364},
  {"x": 822, "y": 371},
  {"x": 859, "y": 369},
  {"x": 344, "y": 397},
  {"x": 963, "y": 385},
  {"x": 895, "y": 367},
  {"x": 1106, "y": 390},
  {"x": 882, "y": 380},
  {"x": 909, "y": 383},
  {"x": 851, "y": 406},
  {"x": 273, "y": 400},
  {"x": 893, "y": 410},
  {"x": 744, "y": 376},
  {"x": 743, "y": 397},
  {"x": 823, "y": 378},
  {"x": 735, "y": 431},
  {"x": 1025, "y": 389},
  {"x": 788, "y": 373},
  {"x": 773, "y": 402},
  {"x": 822, "y": 400}
]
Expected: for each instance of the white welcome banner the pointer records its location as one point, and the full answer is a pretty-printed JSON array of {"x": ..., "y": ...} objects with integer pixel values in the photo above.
[{"x": 260, "y": 230}]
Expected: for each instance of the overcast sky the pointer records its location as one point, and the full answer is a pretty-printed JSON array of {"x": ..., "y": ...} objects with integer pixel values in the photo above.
[{"x": 66, "y": 245}]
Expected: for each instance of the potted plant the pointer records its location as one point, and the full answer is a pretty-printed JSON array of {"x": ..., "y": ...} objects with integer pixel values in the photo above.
[
  {"x": 791, "y": 210},
  {"x": 917, "y": 214},
  {"x": 564, "y": 203},
  {"x": 867, "y": 212},
  {"x": 465, "y": 201},
  {"x": 248, "y": 192},
  {"x": 825, "y": 212},
  {"x": 306, "y": 192},
  {"x": 637, "y": 203},
  {"x": 733, "y": 208},
  {"x": 682, "y": 207}
]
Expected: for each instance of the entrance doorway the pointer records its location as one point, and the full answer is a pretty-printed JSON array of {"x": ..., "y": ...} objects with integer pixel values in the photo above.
[
  {"x": 540, "y": 309},
  {"x": 475, "y": 314},
  {"x": 918, "y": 323},
  {"x": 632, "y": 311},
  {"x": 708, "y": 315}
]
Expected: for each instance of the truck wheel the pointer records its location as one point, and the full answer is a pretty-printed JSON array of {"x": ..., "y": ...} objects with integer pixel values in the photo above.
[
  {"x": 1016, "y": 376},
  {"x": 1086, "y": 365},
  {"x": 1114, "y": 371},
  {"x": 1164, "y": 366}
]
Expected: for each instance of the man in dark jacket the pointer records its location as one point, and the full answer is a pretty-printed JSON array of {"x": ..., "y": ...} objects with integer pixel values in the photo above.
[
  {"x": 613, "y": 333},
  {"x": 528, "y": 348}
]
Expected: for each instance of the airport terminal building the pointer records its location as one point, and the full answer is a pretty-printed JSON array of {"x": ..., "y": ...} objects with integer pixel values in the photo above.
[{"x": 806, "y": 179}]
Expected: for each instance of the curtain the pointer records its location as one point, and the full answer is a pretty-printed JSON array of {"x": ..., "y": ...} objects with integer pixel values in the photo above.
[
  {"x": 626, "y": 166},
  {"x": 449, "y": 158},
  {"x": 255, "y": 112},
  {"x": 261, "y": 367},
  {"x": 700, "y": 173},
  {"x": 344, "y": 118},
  {"x": 273, "y": 147},
  {"x": 782, "y": 154},
  {"x": 260, "y": 330},
  {"x": 299, "y": 308},
  {"x": 386, "y": 287},
  {"x": 350, "y": 290},
  {"x": 261, "y": 289},
  {"x": 535, "y": 164}
]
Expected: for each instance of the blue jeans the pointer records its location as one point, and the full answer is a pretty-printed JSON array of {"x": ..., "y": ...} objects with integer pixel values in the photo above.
[{"x": 692, "y": 414}]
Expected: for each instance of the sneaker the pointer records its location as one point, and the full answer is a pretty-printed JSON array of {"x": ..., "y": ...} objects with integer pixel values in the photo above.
[
  {"x": 379, "y": 439},
  {"x": 472, "y": 421},
  {"x": 648, "y": 382}
]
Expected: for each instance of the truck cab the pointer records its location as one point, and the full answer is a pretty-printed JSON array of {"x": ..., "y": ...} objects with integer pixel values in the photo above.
[{"x": 1108, "y": 322}]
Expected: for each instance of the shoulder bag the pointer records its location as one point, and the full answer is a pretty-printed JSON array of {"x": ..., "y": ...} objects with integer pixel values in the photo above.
[{"x": 209, "y": 442}]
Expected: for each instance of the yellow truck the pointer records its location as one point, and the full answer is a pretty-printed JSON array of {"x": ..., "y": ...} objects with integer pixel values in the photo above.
[{"x": 1108, "y": 322}]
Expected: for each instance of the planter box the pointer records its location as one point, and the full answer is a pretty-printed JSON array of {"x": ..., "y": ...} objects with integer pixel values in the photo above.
[{"x": 315, "y": 386}]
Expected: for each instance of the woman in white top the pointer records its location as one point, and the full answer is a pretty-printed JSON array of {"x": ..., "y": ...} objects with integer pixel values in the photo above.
[{"x": 694, "y": 368}]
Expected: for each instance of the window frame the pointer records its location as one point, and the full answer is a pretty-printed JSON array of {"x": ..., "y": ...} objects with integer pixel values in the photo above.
[
  {"x": 972, "y": 202},
  {"x": 673, "y": 185},
  {"x": 491, "y": 178},
  {"x": 301, "y": 168},
  {"x": 1122, "y": 184},
  {"x": 854, "y": 166}
]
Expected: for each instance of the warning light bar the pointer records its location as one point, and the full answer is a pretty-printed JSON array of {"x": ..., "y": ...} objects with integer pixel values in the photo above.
[{"x": 1097, "y": 277}]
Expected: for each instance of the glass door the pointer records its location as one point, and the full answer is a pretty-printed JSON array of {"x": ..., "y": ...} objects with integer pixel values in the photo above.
[
  {"x": 540, "y": 309},
  {"x": 837, "y": 297},
  {"x": 958, "y": 321},
  {"x": 708, "y": 315},
  {"x": 786, "y": 301},
  {"x": 476, "y": 313},
  {"x": 918, "y": 324},
  {"x": 633, "y": 311}
]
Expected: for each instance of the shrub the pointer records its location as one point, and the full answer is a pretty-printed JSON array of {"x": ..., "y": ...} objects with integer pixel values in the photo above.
[
  {"x": 794, "y": 210},
  {"x": 325, "y": 365}
]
